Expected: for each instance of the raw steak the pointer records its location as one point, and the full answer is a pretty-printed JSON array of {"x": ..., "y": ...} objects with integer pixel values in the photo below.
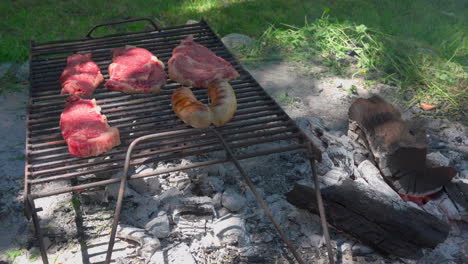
[
  {"x": 81, "y": 76},
  {"x": 135, "y": 70},
  {"x": 85, "y": 129},
  {"x": 194, "y": 65}
]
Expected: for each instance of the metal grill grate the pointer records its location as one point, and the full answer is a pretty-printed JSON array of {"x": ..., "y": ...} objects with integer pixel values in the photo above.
[{"x": 258, "y": 119}]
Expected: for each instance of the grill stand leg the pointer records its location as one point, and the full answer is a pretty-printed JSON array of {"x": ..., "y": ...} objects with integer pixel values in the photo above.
[
  {"x": 259, "y": 199},
  {"x": 123, "y": 183},
  {"x": 318, "y": 194},
  {"x": 37, "y": 229}
]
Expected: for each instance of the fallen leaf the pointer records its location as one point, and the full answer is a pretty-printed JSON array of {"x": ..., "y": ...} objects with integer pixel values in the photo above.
[{"x": 427, "y": 107}]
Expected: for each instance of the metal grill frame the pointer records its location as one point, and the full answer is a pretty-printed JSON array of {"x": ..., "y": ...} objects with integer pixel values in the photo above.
[{"x": 259, "y": 119}]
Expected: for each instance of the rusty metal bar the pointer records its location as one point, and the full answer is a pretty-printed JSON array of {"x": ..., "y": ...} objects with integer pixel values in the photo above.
[
  {"x": 46, "y": 151},
  {"x": 164, "y": 171},
  {"x": 260, "y": 200},
  {"x": 41, "y": 155},
  {"x": 123, "y": 182},
  {"x": 168, "y": 157},
  {"x": 318, "y": 194},
  {"x": 37, "y": 228}
]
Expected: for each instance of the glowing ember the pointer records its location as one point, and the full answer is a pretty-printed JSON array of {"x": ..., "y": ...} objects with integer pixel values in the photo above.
[{"x": 420, "y": 200}]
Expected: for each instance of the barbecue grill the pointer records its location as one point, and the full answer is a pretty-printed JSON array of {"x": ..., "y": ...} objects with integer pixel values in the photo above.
[{"x": 148, "y": 119}]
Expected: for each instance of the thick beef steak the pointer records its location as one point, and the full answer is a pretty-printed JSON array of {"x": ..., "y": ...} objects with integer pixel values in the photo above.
[
  {"x": 135, "y": 70},
  {"x": 85, "y": 129},
  {"x": 194, "y": 65},
  {"x": 81, "y": 76}
]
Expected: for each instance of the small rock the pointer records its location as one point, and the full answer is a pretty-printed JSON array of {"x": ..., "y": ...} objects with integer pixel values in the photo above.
[
  {"x": 191, "y": 21},
  {"x": 232, "y": 200},
  {"x": 4, "y": 67},
  {"x": 159, "y": 226},
  {"x": 361, "y": 250},
  {"x": 238, "y": 43},
  {"x": 230, "y": 229},
  {"x": 436, "y": 159}
]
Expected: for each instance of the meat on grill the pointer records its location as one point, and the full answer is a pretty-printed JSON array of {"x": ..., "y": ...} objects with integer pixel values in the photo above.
[
  {"x": 81, "y": 76},
  {"x": 194, "y": 65},
  {"x": 135, "y": 70},
  {"x": 85, "y": 129}
]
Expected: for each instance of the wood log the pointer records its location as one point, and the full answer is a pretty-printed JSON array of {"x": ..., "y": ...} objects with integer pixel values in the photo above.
[
  {"x": 374, "y": 217},
  {"x": 398, "y": 147}
]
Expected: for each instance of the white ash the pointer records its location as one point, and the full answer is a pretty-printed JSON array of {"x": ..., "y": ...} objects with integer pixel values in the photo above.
[
  {"x": 436, "y": 159},
  {"x": 159, "y": 226},
  {"x": 210, "y": 216},
  {"x": 232, "y": 200},
  {"x": 148, "y": 244},
  {"x": 230, "y": 229}
]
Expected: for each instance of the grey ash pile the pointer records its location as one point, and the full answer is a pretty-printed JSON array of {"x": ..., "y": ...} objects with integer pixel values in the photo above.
[{"x": 210, "y": 216}]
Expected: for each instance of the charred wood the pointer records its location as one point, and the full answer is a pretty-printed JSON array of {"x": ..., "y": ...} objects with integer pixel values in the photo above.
[
  {"x": 388, "y": 225},
  {"x": 398, "y": 147}
]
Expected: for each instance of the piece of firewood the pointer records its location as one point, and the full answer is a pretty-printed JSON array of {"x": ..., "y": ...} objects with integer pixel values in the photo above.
[
  {"x": 399, "y": 148},
  {"x": 374, "y": 217}
]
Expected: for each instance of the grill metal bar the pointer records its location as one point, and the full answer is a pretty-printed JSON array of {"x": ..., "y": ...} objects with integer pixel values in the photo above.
[
  {"x": 258, "y": 120},
  {"x": 176, "y": 141}
]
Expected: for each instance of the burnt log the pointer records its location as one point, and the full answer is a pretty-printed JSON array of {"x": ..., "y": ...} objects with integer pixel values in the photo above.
[
  {"x": 398, "y": 147},
  {"x": 374, "y": 217}
]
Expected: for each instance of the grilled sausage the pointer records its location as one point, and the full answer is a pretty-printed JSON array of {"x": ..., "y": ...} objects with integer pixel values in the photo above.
[
  {"x": 223, "y": 102},
  {"x": 189, "y": 109},
  {"x": 223, "y": 105}
]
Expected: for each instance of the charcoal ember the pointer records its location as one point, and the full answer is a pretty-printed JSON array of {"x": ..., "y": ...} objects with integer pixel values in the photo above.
[
  {"x": 325, "y": 164},
  {"x": 192, "y": 226},
  {"x": 180, "y": 181},
  {"x": 333, "y": 177},
  {"x": 217, "y": 198},
  {"x": 230, "y": 229},
  {"x": 148, "y": 185},
  {"x": 232, "y": 200},
  {"x": 457, "y": 190},
  {"x": 371, "y": 174},
  {"x": 159, "y": 225},
  {"x": 342, "y": 159}
]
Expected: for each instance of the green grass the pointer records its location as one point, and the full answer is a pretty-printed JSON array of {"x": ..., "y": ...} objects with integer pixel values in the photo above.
[
  {"x": 420, "y": 73},
  {"x": 13, "y": 254},
  {"x": 419, "y": 45}
]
